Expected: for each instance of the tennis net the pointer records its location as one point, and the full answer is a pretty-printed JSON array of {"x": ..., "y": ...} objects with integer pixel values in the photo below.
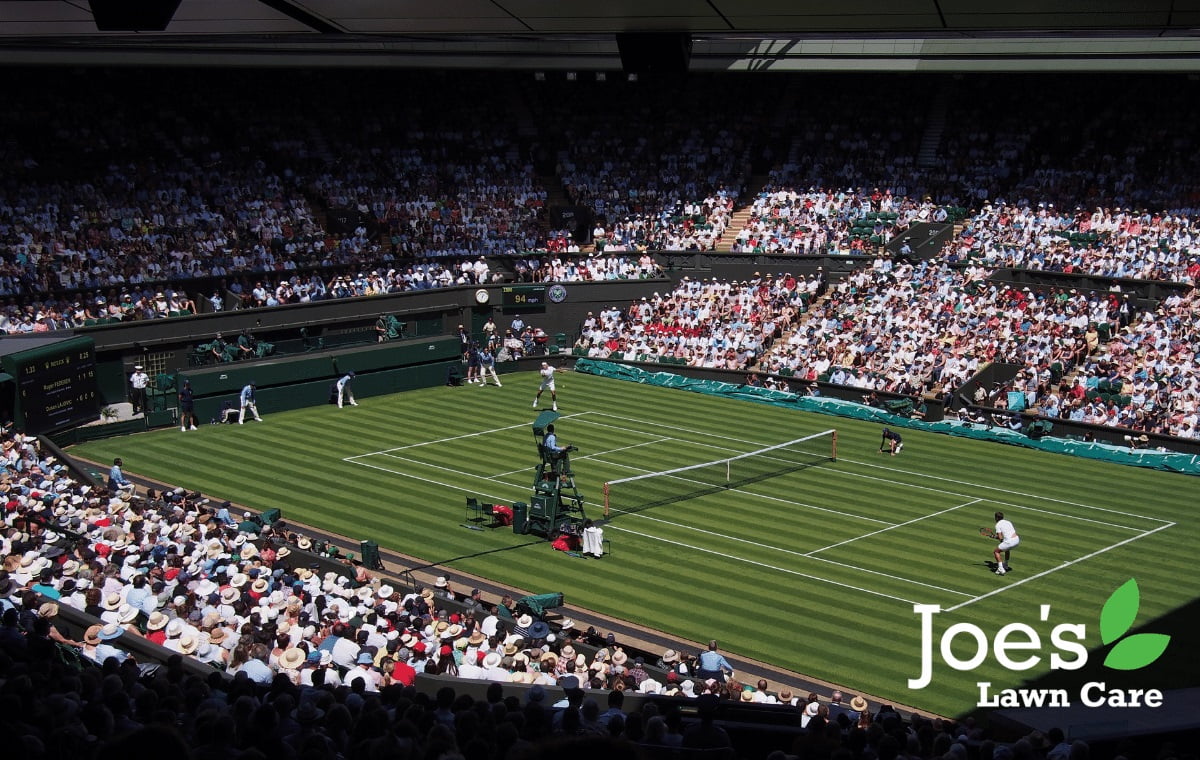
[{"x": 681, "y": 483}]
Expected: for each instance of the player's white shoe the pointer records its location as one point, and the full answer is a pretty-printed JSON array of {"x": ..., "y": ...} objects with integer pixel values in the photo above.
[
  {"x": 535, "y": 405},
  {"x": 1000, "y": 570},
  {"x": 554, "y": 408}
]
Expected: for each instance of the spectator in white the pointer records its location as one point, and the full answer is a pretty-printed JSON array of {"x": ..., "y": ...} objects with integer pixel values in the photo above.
[
  {"x": 137, "y": 389},
  {"x": 344, "y": 391},
  {"x": 247, "y": 402},
  {"x": 117, "y": 482},
  {"x": 365, "y": 671}
]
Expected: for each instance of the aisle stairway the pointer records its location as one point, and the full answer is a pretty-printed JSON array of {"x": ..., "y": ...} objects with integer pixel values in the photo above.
[{"x": 742, "y": 215}]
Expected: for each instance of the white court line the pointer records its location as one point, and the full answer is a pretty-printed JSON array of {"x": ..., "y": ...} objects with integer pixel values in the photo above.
[
  {"x": 452, "y": 438},
  {"x": 736, "y": 558},
  {"x": 921, "y": 475},
  {"x": 892, "y": 527},
  {"x": 1002, "y": 589},
  {"x": 793, "y": 552},
  {"x": 765, "y": 497},
  {"x": 589, "y": 456},
  {"x": 657, "y": 538},
  {"x": 994, "y": 488},
  {"x": 436, "y": 482},
  {"x": 623, "y": 448}
]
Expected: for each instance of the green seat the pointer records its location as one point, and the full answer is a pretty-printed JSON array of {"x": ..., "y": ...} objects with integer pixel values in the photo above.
[{"x": 786, "y": 372}]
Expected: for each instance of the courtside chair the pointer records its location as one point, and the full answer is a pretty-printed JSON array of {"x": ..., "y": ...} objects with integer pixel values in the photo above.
[{"x": 474, "y": 511}]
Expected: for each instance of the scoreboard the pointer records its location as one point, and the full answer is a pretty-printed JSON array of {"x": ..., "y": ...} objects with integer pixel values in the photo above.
[
  {"x": 55, "y": 385},
  {"x": 518, "y": 298}
]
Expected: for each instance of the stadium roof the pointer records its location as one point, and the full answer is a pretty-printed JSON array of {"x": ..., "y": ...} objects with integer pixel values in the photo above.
[{"x": 941, "y": 35}]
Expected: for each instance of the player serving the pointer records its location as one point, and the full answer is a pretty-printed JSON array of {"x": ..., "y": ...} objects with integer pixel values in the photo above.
[{"x": 547, "y": 373}]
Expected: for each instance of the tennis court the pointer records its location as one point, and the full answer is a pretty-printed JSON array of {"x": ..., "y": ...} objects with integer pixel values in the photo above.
[
  {"x": 857, "y": 544},
  {"x": 803, "y": 563}
]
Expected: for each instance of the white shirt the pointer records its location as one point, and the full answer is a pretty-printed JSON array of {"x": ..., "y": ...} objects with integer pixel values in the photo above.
[{"x": 1005, "y": 529}]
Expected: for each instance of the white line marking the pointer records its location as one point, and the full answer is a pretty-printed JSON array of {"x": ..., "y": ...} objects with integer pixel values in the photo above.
[
  {"x": 792, "y": 551},
  {"x": 760, "y": 564},
  {"x": 458, "y": 488},
  {"x": 452, "y": 438},
  {"x": 865, "y": 463},
  {"x": 892, "y": 527},
  {"x": 623, "y": 448},
  {"x": 1002, "y": 589},
  {"x": 589, "y": 456},
  {"x": 789, "y": 502}
]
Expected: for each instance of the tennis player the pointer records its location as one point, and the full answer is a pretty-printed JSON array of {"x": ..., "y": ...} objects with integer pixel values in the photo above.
[
  {"x": 547, "y": 373},
  {"x": 892, "y": 441},
  {"x": 1006, "y": 534}
]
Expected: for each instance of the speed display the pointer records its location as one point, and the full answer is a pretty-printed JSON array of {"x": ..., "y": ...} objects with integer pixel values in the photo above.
[{"x": 523, "y": 297}]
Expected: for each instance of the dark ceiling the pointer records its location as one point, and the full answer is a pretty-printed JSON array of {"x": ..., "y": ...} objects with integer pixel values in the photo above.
[{"x": 726, "y": 34}]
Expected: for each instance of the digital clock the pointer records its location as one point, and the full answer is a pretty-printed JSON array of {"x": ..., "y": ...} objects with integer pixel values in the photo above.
[{"x": 531, "y": 298}]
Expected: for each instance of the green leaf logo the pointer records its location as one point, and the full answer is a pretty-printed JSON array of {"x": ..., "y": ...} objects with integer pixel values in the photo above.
[
  {"x": 1116, "y": 618},
  {"x": 1119, "y": 611},
  {"x": 1137, "y": 651}
]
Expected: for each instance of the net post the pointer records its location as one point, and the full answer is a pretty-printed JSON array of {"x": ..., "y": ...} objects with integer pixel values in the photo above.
[
  {"x": 605, "y": 489},
  {"x": 834, "y": 453}
]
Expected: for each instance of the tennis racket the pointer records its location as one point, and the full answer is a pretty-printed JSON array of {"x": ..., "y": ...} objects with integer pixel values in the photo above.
[{"x": 988, "y": 533}]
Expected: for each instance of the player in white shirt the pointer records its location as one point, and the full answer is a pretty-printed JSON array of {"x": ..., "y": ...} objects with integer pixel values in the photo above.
[
  {"x": 547, "y": 373},
  {"x": 1006, "y": 534}
]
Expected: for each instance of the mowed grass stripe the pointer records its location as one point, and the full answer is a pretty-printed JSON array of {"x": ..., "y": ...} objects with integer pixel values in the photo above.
[{"x": 865, "y": 641}]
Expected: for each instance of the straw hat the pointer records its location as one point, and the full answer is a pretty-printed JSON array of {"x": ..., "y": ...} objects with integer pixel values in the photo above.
[
  {"x": 188, "y": 644},
  {"x": 292, "y": 658},
  {"x": 92, "y": 635},
  {"x": 157, "y": 621},
  {"x": 858, "y": 704}
]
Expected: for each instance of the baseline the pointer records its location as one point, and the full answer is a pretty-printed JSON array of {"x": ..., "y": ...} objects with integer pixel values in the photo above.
[{"x": 1076, "y": 561}]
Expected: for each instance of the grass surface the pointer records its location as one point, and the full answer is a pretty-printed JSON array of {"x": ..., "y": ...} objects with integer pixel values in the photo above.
[{"x": 815, "y": 570}]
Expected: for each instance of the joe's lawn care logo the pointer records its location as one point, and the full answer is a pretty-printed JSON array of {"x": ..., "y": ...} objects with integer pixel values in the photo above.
[{"x": 1017, "y": 647}]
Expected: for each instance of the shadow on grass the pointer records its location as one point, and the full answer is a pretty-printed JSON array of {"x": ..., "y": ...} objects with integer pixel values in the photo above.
[
  {"x": 498, "y": 550},
  {"x": 708, "y": 489}
]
